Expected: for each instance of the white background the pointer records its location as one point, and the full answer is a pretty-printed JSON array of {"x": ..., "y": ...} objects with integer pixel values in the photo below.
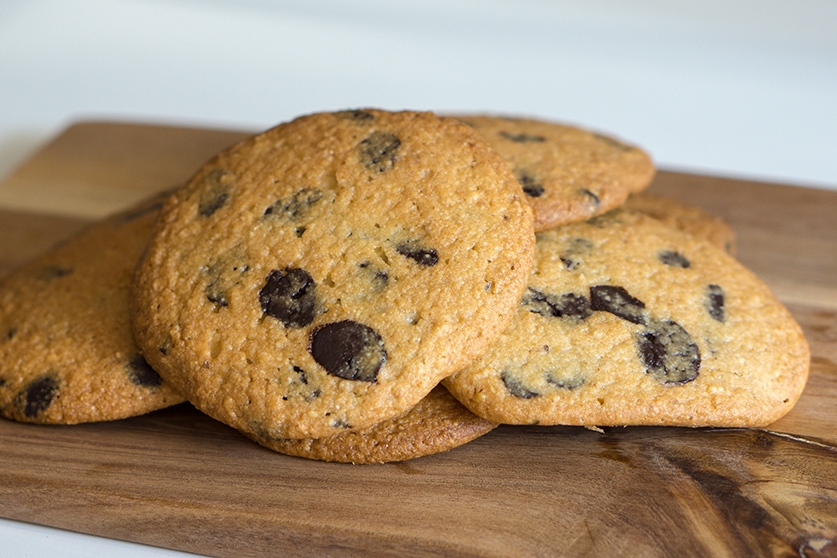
[{"x": 742, "y": 88}]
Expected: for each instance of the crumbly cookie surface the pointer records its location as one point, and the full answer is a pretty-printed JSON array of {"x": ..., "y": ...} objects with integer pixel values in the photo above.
[
  {"x": 568, "y": 174},
  {"x": 687, "y": 218},
  {"x": 436, "y": 424},
  {"x": 628, "y": 322},
  {"x": 67, "y": 354},
  {"x": 325, "y": 275}
]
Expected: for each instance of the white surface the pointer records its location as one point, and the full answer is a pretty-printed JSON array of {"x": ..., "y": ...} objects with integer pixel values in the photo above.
[
  {"x": 743, "y": 88},
  {"x": 736, "y": 87}
]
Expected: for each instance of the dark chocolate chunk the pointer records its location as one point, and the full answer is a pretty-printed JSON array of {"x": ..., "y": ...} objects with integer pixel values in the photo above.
[
  {"x": 515, "y": 388},
  {"x": 613, "y": 143},
  {"x": 674, "y": 259},
  {"x": 668, "y": 352},
  {"x": 359, "y": 116},
  {"x": 290, "y": 297},
  {"x": 617, "y": 301},
  {"x": 567, "y": 305},
  {"x": 216, "y": 192},
  {"x": 379, "y": 151},
  {"x": 423, "y": 256},
  {"x": 523, "y": 138},
  {"x": 714, "y": 302},
  {"x": 141, "y": 373},
  {"x": 348, "y": 350},
  {"x": 294, "y": 207},
  {"x": 531, "y": 186},
  {"x": 594, "y": 199},
  {"x": 2, "y": 382},
  {"x": 570, "y": 383},
  {"x": 38, "y": 395},
  {"x": 11, "y": 332}
]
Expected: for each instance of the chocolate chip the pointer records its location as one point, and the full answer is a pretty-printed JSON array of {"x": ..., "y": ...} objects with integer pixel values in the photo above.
[
  {"x": 564, "y": 383},
  {"x": 289, "y": 296},
  {"x": 295, "y": 207},
  {"x": 567, "y": 305},
  {"x": 617, "y": 301},
  {"x": 216, "y": 192},
  {"x": 613, "y": 143},
  {"x": 360, "y": 116},
  {"x": 224, "y": 274},
  {"x": 515, "y": 388},
  {"x": 523, "y": 138},
  {"x": 594, "y": 199},
  {"x": 379, "y": 151},
  {"x": 303, "y": 377},
  {"x": 51, "y": 272},
  {"x": 668, "y": 352},
  {"x": 531, "y": 186},
  {"x": 2, "y": 382},
  {"x": 376, "y": 276},
  {"x": 714, "y": 302},
  {"x": 426, "y": 257},
  {"x": 141, "y": 373},
  {"x": 11, "y": 332},
  {"x": 674, "y": 259},
  {"x": 342, "y": 424},
  {"x": 38, "y": 395},
  {"x": 348, "y": 350},
  {"x": 576, "y": 249}
]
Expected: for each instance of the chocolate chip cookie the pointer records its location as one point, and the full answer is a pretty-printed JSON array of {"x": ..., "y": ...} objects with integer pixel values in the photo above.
[
  {"x": 686, "y": 218},
  {"x": 67, "y": 354},
  {"x": 325, "y": 275},
  {"x": 628, "y": 322},
  {"x": 438, "y": 423},
  {"x": 567, "y": 174}
]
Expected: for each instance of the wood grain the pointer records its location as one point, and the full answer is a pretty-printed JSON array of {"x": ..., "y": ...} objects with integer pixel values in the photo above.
[{"x": 176, "y": 478}]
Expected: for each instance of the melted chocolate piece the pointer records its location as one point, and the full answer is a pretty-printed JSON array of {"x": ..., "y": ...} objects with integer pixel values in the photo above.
[
  {"x": 674, "y": 259},
  {"x": 348, "y": 350},
  {"x": 567, "y": 305},
  {"x": 38, "y": 395},
  {"x": 51, "y": 272},
  {"x": 592, "y": 196},
  {"x": 290, "y": 297},
  {"x": 523, "y": 138},
  {"x": 379, "y": 151},
  {"x": 359, "y": 116},
  {"x": 531, "y": 186},
  {"x": 426, "y": 257},
  {"x": 294, "y": 207},
  {"x": 216, "y": 192},
  {"x": 668, "y": 352},
  {"x": 515, "y": 388},
  {"x": 617, "y": 301},
  {"x": 141, "y": 373},
  {"x": 576, "y": 248},
  {"x": 377, "y": 277},
  {"x": 564, "y": 383},
  {"x": 714, "y": 302}
]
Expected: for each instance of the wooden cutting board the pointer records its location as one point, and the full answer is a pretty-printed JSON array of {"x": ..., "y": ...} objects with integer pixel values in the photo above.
[{"x": 180, "y": 480}]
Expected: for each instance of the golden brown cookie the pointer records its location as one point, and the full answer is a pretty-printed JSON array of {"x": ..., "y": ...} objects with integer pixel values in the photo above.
[
  {"x": 687, "y": 218},
  {"x": 629, "y": 322},
  {"x": 67, "y": 354},
  {"x": 438, "y": 423},
  {"x": 325, "y": 275},
  {"x": 568, "y": 174}
]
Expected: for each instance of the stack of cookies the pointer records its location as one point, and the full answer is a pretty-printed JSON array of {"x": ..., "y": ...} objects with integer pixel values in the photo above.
[{"x": 369, "y": 286}]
